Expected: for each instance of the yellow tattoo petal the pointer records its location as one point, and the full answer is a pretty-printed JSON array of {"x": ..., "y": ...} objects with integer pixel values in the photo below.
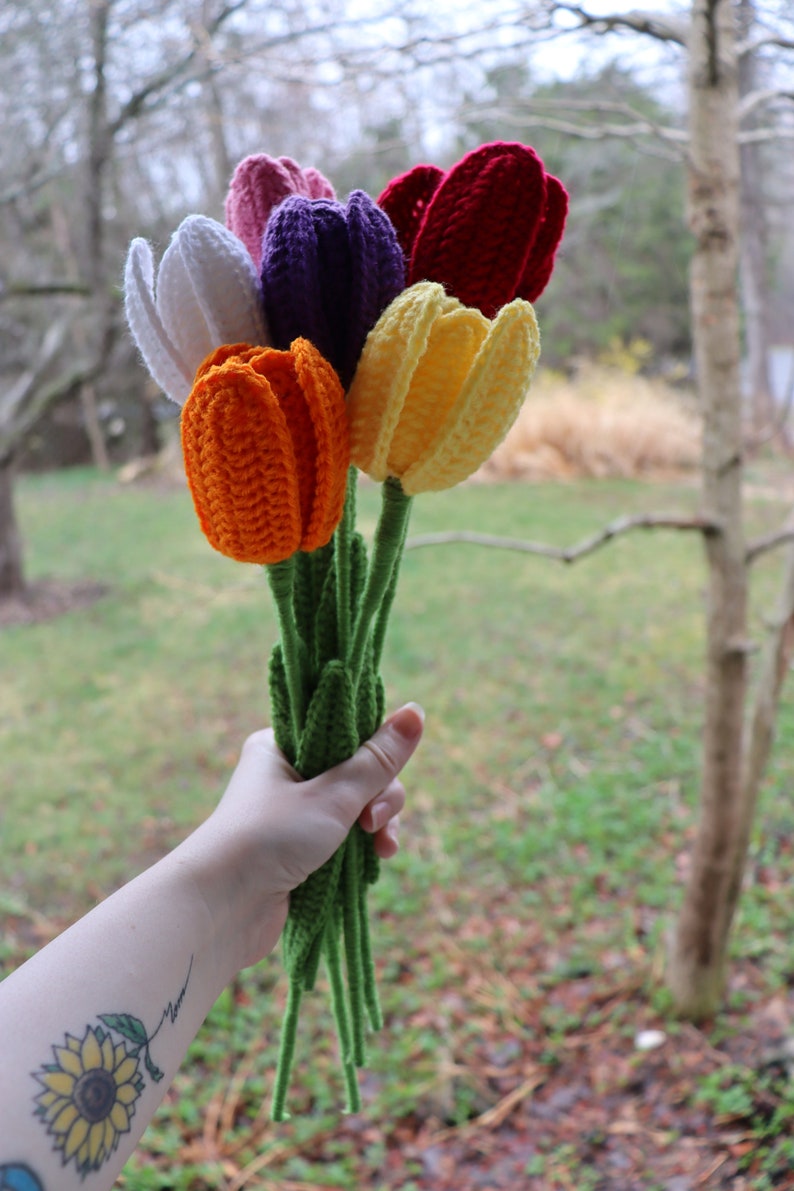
[
  {"x": 127, "y": 1093},
  {"x": 125, "y": 1071},
  {"x": 119, "y": 1118},
  {"x": 65, "y": 1119},
  {"x": 91, "y": 1052},
  {"x": 96, "y": 1143},
  {"x": 76, "y": 1137},
  {"x": 60, "y": 1082},
  {"x": 108, "y": 1053},
  {"x": 68, "y": 1060}
]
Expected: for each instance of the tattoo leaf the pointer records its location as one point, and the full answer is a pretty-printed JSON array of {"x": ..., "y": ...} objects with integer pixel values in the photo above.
[
  {"x": 154, "y": 1071},
  {"x": 128, "y": 1026}
]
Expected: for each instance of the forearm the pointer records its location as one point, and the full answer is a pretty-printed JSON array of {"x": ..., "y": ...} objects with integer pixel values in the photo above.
[{"x": 95, "y": 1026}]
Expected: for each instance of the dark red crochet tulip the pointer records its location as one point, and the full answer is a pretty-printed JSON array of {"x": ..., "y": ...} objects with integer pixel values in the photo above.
[{"x": 487, "y": 230}]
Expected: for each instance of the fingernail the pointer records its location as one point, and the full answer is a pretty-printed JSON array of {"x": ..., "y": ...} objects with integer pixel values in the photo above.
[{"x": 408, "y": 721}]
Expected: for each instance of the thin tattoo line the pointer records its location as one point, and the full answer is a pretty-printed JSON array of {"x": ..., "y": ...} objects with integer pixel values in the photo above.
[{"x": 173, "y": 1008}]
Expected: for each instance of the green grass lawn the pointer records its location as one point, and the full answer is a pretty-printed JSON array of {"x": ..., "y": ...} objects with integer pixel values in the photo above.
[{"x": 549, "y": 805}]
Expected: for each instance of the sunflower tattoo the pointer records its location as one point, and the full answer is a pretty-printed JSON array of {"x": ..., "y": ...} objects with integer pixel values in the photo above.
[
  {"x": 89, "y": 1095},
  {"x": 90, "y": 1092}
]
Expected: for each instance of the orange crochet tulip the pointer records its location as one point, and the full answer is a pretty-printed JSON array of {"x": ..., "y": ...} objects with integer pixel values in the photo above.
[{"x": 266, "y": 446}]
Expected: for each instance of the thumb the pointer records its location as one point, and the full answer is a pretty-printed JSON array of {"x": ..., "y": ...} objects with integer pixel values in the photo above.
[{"x": 355, "y": 783}]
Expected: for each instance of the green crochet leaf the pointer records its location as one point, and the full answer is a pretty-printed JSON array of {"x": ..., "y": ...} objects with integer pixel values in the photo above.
[
  {"x": 358, "y": 570},
  {"x": 280, "y": 716},
  {"x": 311, "y": 572},
  {"x": 309, "y": 908},
  {"x": 326, "y": 635},
  {"x": 329, "y": 736}
]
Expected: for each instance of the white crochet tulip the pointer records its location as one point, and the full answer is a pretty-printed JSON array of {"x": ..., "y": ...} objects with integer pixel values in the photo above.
[{"x": 207, "y": 294}]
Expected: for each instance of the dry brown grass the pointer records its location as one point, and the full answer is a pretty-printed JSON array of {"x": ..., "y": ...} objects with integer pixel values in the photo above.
[{"x": 603, "y": 422}]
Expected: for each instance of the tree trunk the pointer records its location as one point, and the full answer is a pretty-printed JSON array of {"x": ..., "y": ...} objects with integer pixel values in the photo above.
[
  {"x": 93, "y": 255},
  {"x": 696, "y": 972},
  {"x": 752, "y": 265},
  {"x": 12, "y": 577}
]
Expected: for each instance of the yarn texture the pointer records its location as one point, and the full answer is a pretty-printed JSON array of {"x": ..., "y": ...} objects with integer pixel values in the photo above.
[
  {"x": 487, "y": 230},
  {"x": 259, "y": 184},
  {"x": 266, "y": 450},
  {"x": 307, "y": 340},
  {"x": 207, "y": 293},
  {"x": 328, "y": 271},
  {"x": 438, "y": 386}
]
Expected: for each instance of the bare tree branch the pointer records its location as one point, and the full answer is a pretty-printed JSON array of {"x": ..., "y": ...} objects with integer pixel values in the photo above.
[
  {"x": 27, "y": 186},
  {"x": 639, "y": 132},
  {"x": 752, "y": 45},
  {"x": 570, "y": 554},
  {"x": 770, "y": 541},
  {"x": 758, "y": 136},
  {"x": 756, "y": 99},
  {"x": 659, "y": 25},
  {"x": 49, "y": 289}
]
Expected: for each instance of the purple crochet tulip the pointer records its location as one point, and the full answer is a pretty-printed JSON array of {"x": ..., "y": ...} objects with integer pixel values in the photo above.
[{"x": 328, "y": 273}]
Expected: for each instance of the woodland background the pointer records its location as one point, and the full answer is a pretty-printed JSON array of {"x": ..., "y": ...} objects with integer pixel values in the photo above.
[{"x": 667, "y": 378}]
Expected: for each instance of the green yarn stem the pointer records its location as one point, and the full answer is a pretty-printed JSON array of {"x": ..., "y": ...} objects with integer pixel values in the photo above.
[
  {"x": 289, "y": 1030},
  {"x": 327, "y": 695},
  {"x": 342, "y": 545},
  {"x": 382, "y": 620},
  {"x": 370, "y": 987},
  {"x": 282, "y": 583},
  {"x": 386, "y": 550},
  {"x": 351, "y": 920},
  {"x": 333, "y": 962}
]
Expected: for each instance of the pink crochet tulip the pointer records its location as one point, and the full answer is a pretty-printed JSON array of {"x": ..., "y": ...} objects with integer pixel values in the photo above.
[{"x": 258, "y": 185}]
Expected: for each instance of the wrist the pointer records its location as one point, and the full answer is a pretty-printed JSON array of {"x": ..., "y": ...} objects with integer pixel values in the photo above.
[{"x": 241, "y": 923}]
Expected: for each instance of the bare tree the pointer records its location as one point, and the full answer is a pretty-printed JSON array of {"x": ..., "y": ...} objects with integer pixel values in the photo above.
[
  {"x": 723, "y": 101},
  {"x": 21, "y": 407}
]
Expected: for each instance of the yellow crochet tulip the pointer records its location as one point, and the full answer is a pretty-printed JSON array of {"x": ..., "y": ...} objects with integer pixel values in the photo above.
[{"x": 438, "y": 386}]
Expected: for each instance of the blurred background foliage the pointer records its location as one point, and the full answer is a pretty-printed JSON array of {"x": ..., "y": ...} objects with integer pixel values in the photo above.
[{"x": 121, "y": 116}]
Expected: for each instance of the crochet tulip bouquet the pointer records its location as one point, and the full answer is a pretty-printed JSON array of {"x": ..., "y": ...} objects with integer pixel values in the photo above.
[{"x": 304, "y": 340}]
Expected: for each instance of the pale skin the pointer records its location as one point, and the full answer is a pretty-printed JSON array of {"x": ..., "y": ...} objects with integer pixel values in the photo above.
[{"x": 160, "y": 950}]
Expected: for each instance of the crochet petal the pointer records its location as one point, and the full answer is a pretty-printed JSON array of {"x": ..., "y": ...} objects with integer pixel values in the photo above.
[
  {"x": 405, "y": 201},
  {"x": 325, "y": 402},
  {"x": 258, "y": 184},
  {"x": 479, "y": 225},
  {"x": 317, "y": 185},
  {"x": 540, "y": 262},
  {"x": 278, "y": 368},
  {"x": 309, "y": 182},
  {"x": 306, "y": 275},
  {"x": 455, "y": 338},
  {"x": 240, "y": 465},
  {"x": 377, "y": 274},
  {"x": 207, "y": 290},
  {"x": 487, "y": 405},
  {"x": 383, "y": 377},
  {"x": 160, "y": 354}
]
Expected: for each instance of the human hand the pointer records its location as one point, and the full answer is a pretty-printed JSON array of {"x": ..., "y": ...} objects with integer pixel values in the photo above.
[{"x": 271, "y": 829}]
